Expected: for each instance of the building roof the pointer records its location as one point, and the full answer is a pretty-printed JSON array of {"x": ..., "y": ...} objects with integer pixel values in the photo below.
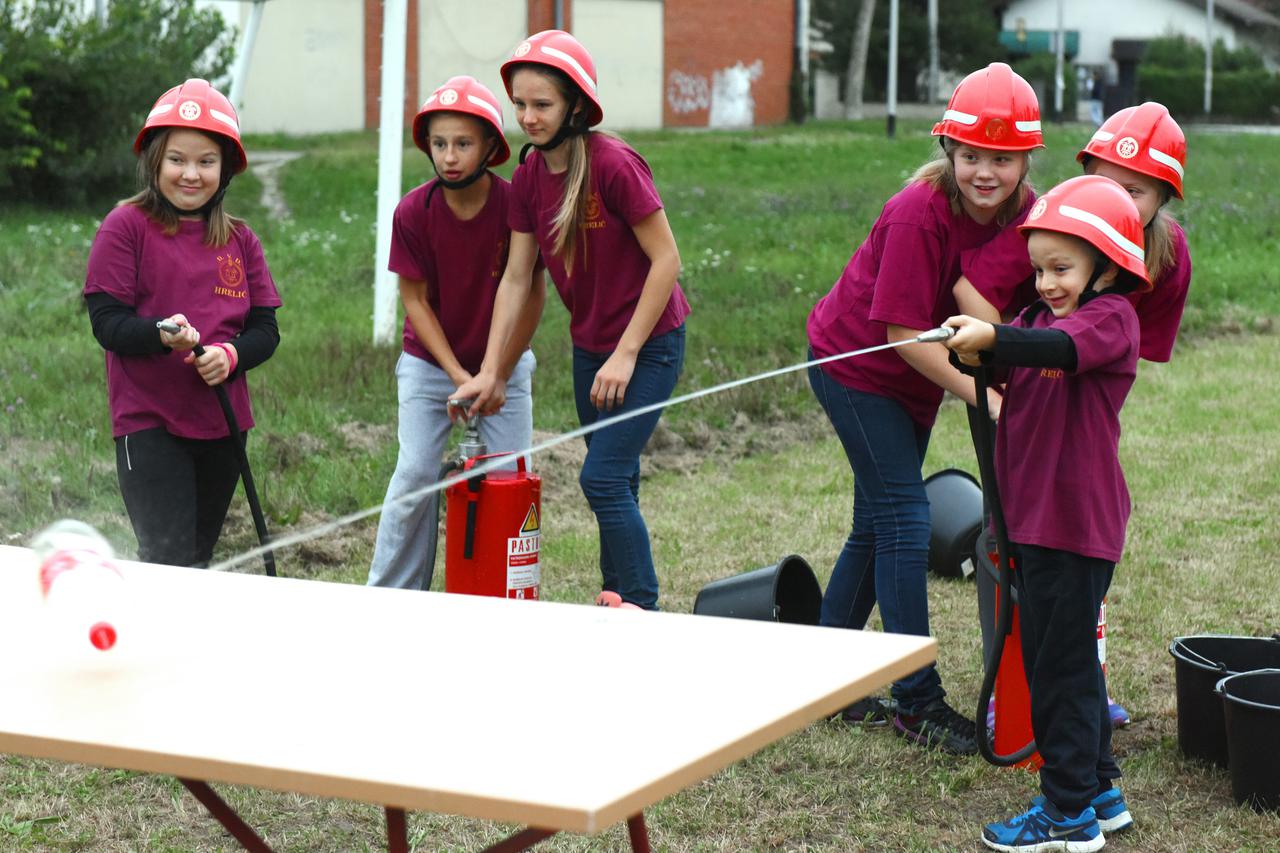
[{"x": 1244, "y": 11}]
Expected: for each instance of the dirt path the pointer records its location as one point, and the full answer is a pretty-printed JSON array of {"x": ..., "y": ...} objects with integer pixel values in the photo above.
[{"x": 266, "y": 165}]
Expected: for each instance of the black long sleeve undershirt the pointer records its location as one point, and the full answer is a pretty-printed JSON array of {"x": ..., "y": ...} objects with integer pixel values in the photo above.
[
  {"x": 119, "y": 329},
  {"x": 1017, "y": 346}
]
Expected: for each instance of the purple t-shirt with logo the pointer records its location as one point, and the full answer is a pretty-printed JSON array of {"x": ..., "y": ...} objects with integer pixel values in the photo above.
[
  {"x": 1001, "y": 271},
  {"x": 460, "y": 260},
  {"x": 1058, "y": 440},
  {"x": 902, "y": 274},
  {"x": 133, "y": 261},
  {"x": 609, "y": 267}
]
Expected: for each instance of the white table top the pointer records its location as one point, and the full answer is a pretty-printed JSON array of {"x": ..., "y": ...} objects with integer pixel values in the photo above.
[{"x": 558, "y": 716}]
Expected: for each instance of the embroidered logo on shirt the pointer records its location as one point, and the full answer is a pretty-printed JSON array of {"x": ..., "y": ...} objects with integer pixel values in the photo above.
[
  {"x": 231, "y": 274},
  {"x": 1052, "y": 373},
  {"x": 499, "y": 259},
  {"x": 595, "y": 212},
  {"x": 1127, "y": 148}
]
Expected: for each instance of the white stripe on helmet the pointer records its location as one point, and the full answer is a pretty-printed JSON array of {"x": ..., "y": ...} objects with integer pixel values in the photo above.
[
  {"x": 957, "y": 116},
  {"x": 487, "y": 107},
  {"x": 1103, "y": 136},
  {"x": 160, "y": 110},
  {"x": 1161, "y": 157},
  {"x": 225, "y": 119},
  {"x": 1123, "y": 243},
  {"x": 1027, "y": 126},
  {"x": 583, "y": 77}
]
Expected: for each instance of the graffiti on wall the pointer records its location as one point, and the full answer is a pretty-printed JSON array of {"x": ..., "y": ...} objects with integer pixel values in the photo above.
[{"x": 726, "y": 97}]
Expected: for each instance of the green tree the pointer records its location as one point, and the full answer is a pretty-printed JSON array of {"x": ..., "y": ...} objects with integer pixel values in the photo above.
[
  {"x": 967, "y": 40},
  {"x": 91, "y": 86}
]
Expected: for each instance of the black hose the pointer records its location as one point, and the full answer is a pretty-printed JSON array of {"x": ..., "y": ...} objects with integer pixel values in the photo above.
[
  {"x": 242, "y": 456},
  {"x": 985, "y": 444},
  {"x": 445, "y": 470}
]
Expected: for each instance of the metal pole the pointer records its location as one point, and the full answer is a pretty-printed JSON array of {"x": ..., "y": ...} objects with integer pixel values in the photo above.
[
  {"x": 802, "y": 36},
  {"x": 933, "y": 51},
  {"x": 1208, "y": 57},
  {"x": 1059, "y": 84},
  {"x": 559, "y": 14},
  {"x": 241, "y": 72},
  {"x": 891, "y": 114},
  {"x": 390, "y": 155},
  {"x": 100, "y": 7}
]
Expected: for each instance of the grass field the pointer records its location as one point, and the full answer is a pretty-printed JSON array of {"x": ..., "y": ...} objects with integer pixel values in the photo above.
[{"x": 765, "y": 222}]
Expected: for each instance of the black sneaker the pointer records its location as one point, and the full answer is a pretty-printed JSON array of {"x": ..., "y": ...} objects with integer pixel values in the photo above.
[
  {"x": 870, "y": 711},
  {"x": 941, "y": 726}
]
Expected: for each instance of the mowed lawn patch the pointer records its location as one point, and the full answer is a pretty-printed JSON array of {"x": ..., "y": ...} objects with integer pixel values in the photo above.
[{"x": 765, "y": 222}]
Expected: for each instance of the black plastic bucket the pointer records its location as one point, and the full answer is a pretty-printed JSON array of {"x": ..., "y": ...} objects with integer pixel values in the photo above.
[
  {"x": 1200, "y": 662},
  {"x": 1251, "y": 706},
  {"x": 955, "y": 514},
  {"x": 787, "y": 591}
]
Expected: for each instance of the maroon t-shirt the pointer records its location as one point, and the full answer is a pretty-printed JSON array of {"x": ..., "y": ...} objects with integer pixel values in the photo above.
[
  {"x": 1001, "y": 271},
  {"x": 132, "y": 260},
  {"x": 461, "y": 262},
  {"x": 609, "y": 267},
  {"x": 1058, "y": 440},
  {"x": 902, "y": 274}
]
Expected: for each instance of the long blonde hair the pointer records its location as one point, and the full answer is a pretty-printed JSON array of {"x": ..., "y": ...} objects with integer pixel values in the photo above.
[
  {"x": 1158, "y": 235},
  {"x": 566, "y": 225},
  {"x": 940, "y": 174},
  {"x": 219, "y": 225}
]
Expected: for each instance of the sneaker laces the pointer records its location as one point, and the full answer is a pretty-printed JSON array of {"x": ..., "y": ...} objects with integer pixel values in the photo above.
[{"x": 950, "y": 719}]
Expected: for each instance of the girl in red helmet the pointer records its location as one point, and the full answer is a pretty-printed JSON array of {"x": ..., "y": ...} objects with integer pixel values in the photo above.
[
  {"x": 882, "y": 406},
  {"x": 1072, "y": 357},
  {"x": 171, "y": 252},
  {"x": 449, "y": 244},
  {"x": 1143, "y": 149},
  {"x": 588, "y": 202}
]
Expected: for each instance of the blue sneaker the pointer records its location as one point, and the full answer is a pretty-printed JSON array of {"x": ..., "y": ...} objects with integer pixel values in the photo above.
[
  {"x": 1034, "y": 831},
  {"x": 1109, "y": 806}
]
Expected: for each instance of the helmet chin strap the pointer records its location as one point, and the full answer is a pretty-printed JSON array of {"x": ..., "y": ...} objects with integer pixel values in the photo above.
[
  {"x": 464, "y": 182},
  {"x": 566, "y": 130}
]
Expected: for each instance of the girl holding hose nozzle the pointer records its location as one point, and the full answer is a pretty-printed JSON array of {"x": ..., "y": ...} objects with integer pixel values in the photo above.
[
  {"x": 449, "y": 244},
  {"x": 588, "y": 202},
  {"x": 883, "y": 406},
  {"x": 1071, "y": 357},
  {"x": 171, "y": 253}
]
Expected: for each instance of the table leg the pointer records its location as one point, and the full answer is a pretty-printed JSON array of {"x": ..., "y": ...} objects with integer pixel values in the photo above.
[
  {"x": 226, "y": 816},
  {"x": 639, "y": 833},
  {"x": 397, "y": 831},
  {"x": 521, "y": 841}
]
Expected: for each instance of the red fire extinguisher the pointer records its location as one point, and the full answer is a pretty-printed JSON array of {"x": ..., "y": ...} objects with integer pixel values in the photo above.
[{"x": 493, "y": 531}]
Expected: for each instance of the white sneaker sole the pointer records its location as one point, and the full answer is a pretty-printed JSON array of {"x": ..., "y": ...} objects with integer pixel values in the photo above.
[
  {"x": 1050, "y": 846},
  {"x": 1119, "y": 823}
]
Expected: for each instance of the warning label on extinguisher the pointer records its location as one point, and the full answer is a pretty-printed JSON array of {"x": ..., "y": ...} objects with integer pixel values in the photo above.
[{"x": 524, "y": 572}]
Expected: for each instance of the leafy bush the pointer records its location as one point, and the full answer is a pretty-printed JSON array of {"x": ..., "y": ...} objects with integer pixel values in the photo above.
[
  {"x": 78, "y": 92},
  {"x": 1172, "y": 72},
  {"x": 1038, "y": 69}
]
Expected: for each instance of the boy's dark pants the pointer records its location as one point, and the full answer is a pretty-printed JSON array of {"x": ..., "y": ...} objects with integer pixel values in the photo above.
[{"x": 1059, "y": 594}]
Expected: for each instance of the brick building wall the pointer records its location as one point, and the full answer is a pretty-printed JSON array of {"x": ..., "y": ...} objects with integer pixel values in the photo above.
[
  {"x": 717, "y": 64},
  {"x": 373, "y": 63},
  {"x": 542, "y": 15}
]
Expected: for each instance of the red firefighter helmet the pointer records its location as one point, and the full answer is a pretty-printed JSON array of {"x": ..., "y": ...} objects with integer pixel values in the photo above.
[
  {"x": 1098, "y": 211},
  {"x": 1145, "y": 139},
  {"x": 561, "y": 51},
  {"x": 993, "y": 108},
  {"x": 465, "y": 95},
  {"x": 196, "y": 105}
]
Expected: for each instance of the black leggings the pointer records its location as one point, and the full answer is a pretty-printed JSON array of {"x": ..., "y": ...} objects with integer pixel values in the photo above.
[{"x": 176, "y": 491}]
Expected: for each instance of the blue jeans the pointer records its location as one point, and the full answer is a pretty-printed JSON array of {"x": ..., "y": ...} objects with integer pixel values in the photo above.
[
  {"x": 885, "y": 560},
  {"x": 610, "y": 476},
  {"x": 404, "y": 553}
]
